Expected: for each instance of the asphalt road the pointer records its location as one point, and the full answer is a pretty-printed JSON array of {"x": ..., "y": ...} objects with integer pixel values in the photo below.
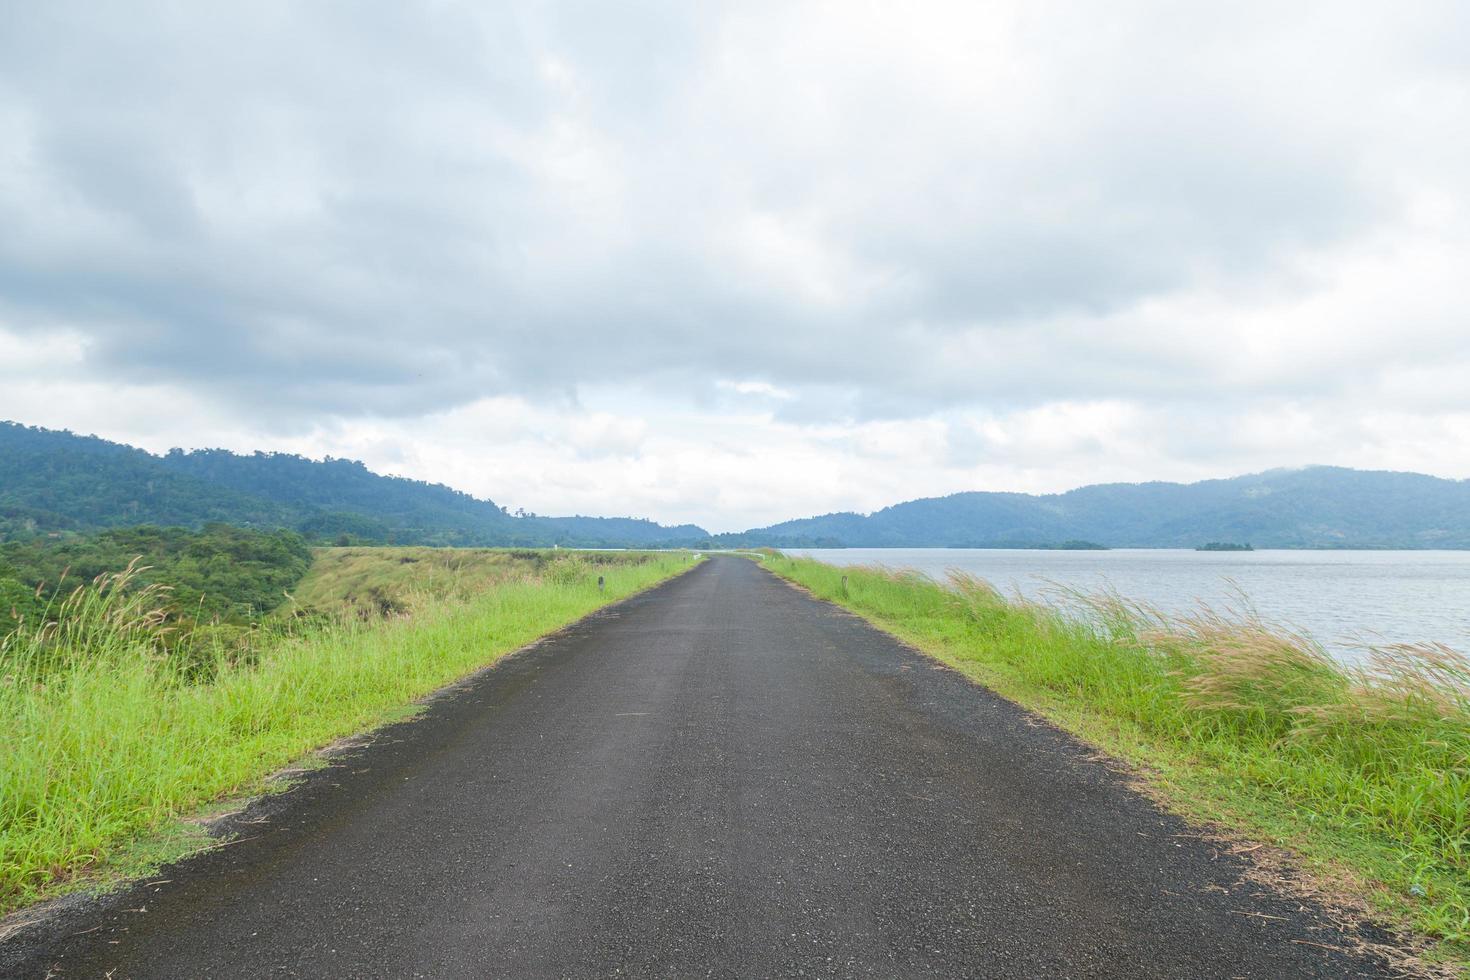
[{"x": 720, "y": 777}]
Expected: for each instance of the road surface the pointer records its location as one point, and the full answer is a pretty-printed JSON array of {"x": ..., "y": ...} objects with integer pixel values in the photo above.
[{"x": 720, "y": 777}]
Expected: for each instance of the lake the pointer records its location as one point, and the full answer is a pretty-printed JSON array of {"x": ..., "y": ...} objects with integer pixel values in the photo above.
[{"x": 1342, "y": 598}]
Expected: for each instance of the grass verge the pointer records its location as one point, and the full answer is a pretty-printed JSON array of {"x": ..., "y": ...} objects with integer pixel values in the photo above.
[
  {"x": 1364, "y": 773},
  {"x": 110, "y": 738}
]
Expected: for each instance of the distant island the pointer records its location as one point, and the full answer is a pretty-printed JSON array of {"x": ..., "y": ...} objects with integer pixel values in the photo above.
[{"x": 1224, "y": 546}]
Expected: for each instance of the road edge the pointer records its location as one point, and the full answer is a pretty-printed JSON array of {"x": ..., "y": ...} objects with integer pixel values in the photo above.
[
  {"x": 1270, "y": 865},
  {"x": 25, "y": 930}
]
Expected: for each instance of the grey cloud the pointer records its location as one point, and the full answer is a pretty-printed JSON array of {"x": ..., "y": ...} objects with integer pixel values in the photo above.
[{"x": 391, "y": 209}]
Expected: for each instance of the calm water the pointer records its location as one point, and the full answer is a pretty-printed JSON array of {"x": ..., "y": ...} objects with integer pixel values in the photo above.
[{"x": 1343, "y": 598}]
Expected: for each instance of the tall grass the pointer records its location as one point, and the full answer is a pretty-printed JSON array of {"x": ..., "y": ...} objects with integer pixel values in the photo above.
[
  {"x": 1368, "y": 765},
  {"x": 109, "y": 734},
  {"x": 370, "y": 580}
]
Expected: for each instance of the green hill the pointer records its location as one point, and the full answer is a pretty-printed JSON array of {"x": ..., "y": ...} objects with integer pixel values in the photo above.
[
  {"x": 60, "y": 481},
  {"x": 1312, "y": 507},
  {"x": 54, "y": 481}
]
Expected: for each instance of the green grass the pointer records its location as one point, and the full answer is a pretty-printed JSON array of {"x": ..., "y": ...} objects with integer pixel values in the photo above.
[
  {"x": 1364, "y": 773},
  {"x": 110, "y": 740}
]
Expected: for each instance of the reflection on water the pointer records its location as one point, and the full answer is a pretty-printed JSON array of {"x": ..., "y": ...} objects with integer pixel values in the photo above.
[{"x": 1343, "y": 598}]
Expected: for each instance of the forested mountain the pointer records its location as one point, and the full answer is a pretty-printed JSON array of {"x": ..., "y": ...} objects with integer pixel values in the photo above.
[
  {"x": 1313, "y": 507},
  {"x": 59, "y": 481}
]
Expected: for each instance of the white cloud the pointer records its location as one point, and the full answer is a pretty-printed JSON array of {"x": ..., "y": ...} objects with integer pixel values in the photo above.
[
  {"x": 733, "y": 263},
  {"x": 762, "y": 388}
]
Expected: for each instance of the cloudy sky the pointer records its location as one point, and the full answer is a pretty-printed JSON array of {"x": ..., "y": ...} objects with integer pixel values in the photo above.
[{"x": 733, "y": 263}]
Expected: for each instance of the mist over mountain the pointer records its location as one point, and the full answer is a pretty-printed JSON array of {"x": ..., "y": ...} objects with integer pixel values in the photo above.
[{"x": 54, "y": 481}]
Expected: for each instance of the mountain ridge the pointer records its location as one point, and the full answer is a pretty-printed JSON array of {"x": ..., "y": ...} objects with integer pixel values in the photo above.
[
  {"x": 1291, "y": 507},
  {"x": 55, "y": 481}
]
